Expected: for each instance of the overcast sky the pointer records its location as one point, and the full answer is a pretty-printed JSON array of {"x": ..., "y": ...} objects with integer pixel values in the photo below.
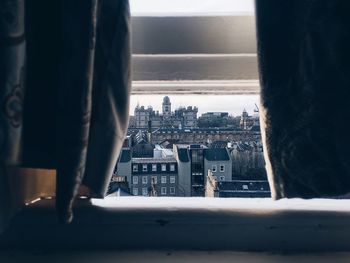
[
  {"x": 190, "y": 7},
  {"x": 233, "y": 104}
]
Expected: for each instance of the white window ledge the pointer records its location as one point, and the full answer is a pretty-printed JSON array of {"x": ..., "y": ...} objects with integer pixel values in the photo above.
[
  {"x": 187, "y": 223},
  {"x": 204, "y": 87}
]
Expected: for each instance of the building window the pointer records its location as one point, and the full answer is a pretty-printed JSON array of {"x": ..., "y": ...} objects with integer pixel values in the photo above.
[
  {"x": 172, "y": 167},
  {"x": 154, "y": 180},
  {"x": 172, "y": 190},
  {"x": 245, "y": 187},
  {"x": 154, "y": 168},
  {"x": 144, "y": 168},
  {"x": 172, "y": 179},
  {"x": 135, "y": 191},
  {"x": 163, "y": 190},
  {"x": 144, "y": 179},
  {"x": 163, "y": 179},
  {"x": 222, "y": 168},
  {"x": 135, "y": 180},
  {"x": 222, "y": 178},
  {"x": 144, "y": 191},
  {"x": 163, "y": 167},
  {"x": 135, "y": 168},
  {"x": 213, "y": 168}
]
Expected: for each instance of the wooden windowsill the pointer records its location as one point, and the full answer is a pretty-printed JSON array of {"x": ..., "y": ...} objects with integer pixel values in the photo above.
[{"x": 187, "y": 223}]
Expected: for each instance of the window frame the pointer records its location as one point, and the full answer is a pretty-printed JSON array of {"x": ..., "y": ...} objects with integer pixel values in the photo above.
[
  {"x": 156, "y": 179},
  {"x": 144, "y": 191},
  {"x": 154, "y": 167},
  {"x": 233, "y": 46},
  {"x": 163, "y": 167},
  {"x": 163, "y": 190},
  {"x": 135, "y": 179},
  {"x": 144, "y": 179},
  {"x": 277, "y": 219},
  {"x": 163, "y": 179},
  {"x": 222, "y": 168},
  {"x": 144, "y": 168}
]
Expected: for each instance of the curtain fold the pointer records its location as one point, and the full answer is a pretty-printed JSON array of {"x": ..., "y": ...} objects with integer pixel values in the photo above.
[
  {"x": 111, "y": 88},
  {"x": 93, "y": 109},
  {"x": 74, "y": 96},
  {"x": 74, "y": 57},
  {"x": 12, "y": 69},
  {"x": 304, "y": 64}
]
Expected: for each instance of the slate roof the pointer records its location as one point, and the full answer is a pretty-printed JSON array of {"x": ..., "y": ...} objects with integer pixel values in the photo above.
[
  {"x": 153, "y": 160},
  {"x": 246, "y": 185},
  {"x": 141, "y": 137},
  {"x": 118, "y": 189},
  {"x": 183, "y": 155},
  {"x": 243, "y": 188},
  {"x": 216, "y": 154},
  {"x": 219, "y": 144},
  {"x": 125, "y": 156}
]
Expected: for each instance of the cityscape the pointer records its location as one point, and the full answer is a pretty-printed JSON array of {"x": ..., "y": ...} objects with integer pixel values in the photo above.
[{"x": 177, "y": 153}]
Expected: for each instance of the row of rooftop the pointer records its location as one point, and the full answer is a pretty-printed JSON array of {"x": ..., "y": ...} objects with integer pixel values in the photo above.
[{"x": 188, "y": 165}]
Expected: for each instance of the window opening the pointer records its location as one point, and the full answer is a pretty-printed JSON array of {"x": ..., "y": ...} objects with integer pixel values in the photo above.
[
  {"x": 163, "y": 191},
  {"x": 163, "y": 180},
  {"x": 194, "y": 109}
]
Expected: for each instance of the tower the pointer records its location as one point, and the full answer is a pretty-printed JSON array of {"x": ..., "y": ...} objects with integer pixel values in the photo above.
[
  {"x": 244, "y": 118},
  {"x": 166, "y": 107}
]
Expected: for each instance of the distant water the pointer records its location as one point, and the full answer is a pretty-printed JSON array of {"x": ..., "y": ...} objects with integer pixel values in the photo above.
[{"x": 233, "y": 104}]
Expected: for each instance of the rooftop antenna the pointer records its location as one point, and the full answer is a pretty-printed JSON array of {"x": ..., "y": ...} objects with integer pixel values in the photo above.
[{"x": 256, "y": 108}]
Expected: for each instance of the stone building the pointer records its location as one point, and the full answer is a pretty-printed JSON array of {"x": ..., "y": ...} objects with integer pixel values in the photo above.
[
  {"x": 141, "y": 116},
  {"x": 203, "y": 135},
  {"x": 154, "y": 177},
  {"x": 214, "y": 119},
  {"x": 248, "y": 122},
  {"x": 187, "y": 116},
  {"x": 180, "y": 118},
  {"x": 195, "y": 160},
  {"x": 247, "y": 159},
  {"x": 218, "y": 161},
  {"x": 148, "y": 176}
]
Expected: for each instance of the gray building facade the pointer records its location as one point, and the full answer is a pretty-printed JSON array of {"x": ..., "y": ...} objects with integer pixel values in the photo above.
[
  {"x": 219, "y": 162},
  {"x": 154, "y": 177}
]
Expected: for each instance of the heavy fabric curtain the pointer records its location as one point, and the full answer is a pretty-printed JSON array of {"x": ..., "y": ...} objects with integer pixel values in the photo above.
[
  {"x": 64, "y": 90},
  {"x": 12, "y": 64},
  {"x": 304, "y": 64}
]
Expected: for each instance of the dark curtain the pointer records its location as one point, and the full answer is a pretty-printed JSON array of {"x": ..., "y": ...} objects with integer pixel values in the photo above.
[
  {"x": 12, "y": 64},
  {"x": 304, "y": 64},
  {"x": 74, "y": 60}
]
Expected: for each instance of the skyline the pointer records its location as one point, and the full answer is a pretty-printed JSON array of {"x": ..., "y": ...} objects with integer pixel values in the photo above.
[{"x": 233, "y": 104}]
